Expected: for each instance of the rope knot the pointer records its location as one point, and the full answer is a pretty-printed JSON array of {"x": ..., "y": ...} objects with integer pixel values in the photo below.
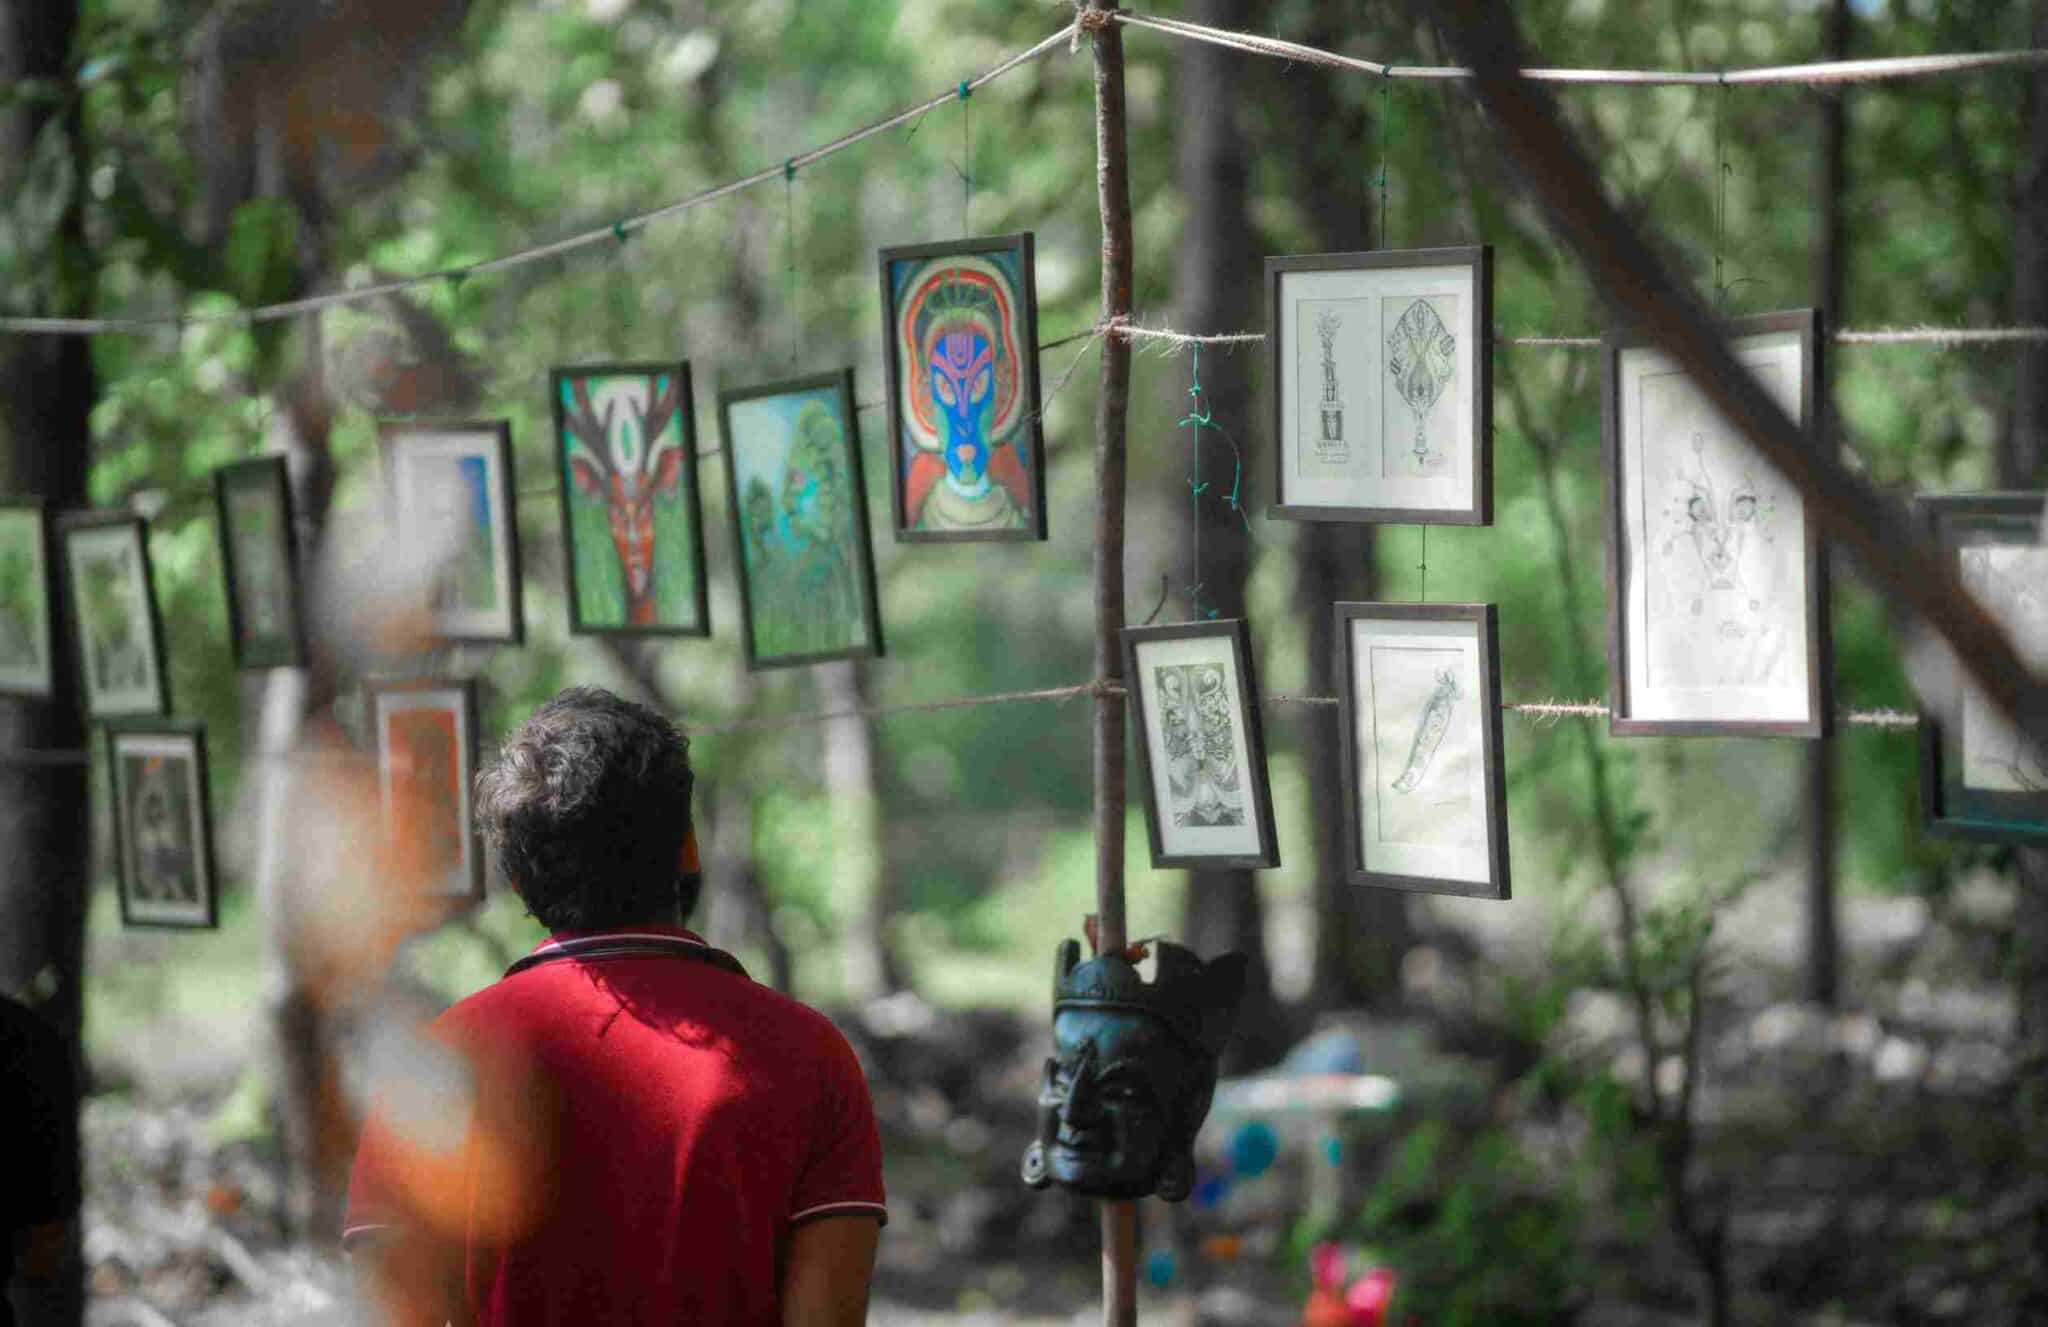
[
  {"x": 1092, "y": 20},
  {"x": 1104, "y": 689}
]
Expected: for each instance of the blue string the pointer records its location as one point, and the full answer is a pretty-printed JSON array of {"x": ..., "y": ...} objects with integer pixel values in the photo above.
[{"x": 1201, "y": 416}]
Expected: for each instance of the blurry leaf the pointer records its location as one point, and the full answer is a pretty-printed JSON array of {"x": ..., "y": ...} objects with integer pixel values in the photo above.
[{"x": 260, "y": 257}]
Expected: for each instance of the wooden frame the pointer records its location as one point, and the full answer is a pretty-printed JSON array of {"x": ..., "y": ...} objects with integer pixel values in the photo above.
[
  {"x": 292, "y": 652},
  {"x": 47, "y": 546},
  {"x": 840, "y": 383},
  {"x": 1807, "y": 325},
  {"x": 136, "y": 913},
  {"x": 1019, "y": 244},
  {"x": 497, "y": 437},
  {"x": 1484, "y": 632},
  {"x": 686, "y": 411},
  {"x": 464, "y": 707},
  {"x": 1948, "y": 807},
  {"x": 69, "y": 528},
  {"x": 1238, "y": 635},
  {"x": 1478, "y": 506}
]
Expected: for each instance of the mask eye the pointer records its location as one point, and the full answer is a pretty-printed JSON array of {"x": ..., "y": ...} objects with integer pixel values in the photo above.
[
  {"x": 1745, "y": 507},
  {"x": 1697, "y": 509},
  {"x": 1122, "y": 1089},
  {"x": 942, "y": 387},
  {"x": 981, "y": 384}
]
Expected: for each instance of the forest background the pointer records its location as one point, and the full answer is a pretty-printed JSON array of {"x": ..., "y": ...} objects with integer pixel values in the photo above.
[{"x": 176, "y": 157}]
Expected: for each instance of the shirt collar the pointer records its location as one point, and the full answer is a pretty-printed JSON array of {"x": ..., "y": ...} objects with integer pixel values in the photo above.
[{"x": 568, "y": 942}]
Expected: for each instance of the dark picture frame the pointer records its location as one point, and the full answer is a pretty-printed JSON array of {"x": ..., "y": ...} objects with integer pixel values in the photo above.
[
  {"x": 494, "y": 441},
  {"x": 840, "y": 384},
  {"x": 1808, "y": 325},
  {"x": 285, "y": 648},
  {"x": 1949, "y": 807},
  {"x": 687, "y": 475},
  {"x": 1236, "y": 634},
  {"x": 460, "y": 695},
  {"x": 151, "y": 699},
  {"x": 123, "y": 737},
  {"x": 1477, "y": 508},
  {"x": 43, "y": 613},
  {"x": 1483, "y": 622},
  {"x": 1019, "y": 246}
]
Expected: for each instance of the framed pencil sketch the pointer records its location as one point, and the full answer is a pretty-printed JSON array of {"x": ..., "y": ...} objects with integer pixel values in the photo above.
[
  {"x": 967, "y": 453},
  {"x": 163, "y": 827},
  {"x": 800, "y": 521},
  {"x": 259, "y": 561},
  {"x": 1716, "y": 589},
  {"x": 425, "y": 736},
  {"x": 28, "y": 656},
  {"x": 120, "y": 637},
  {"x": 632, "y": 513},
  {"x": 1978, "y": 778},
  {"x": 1201, "y": 751},
  {"x": 1418, "y": 705},
  {"x": 450, "y": 492},
  {"x": 1382, "y": 368}
]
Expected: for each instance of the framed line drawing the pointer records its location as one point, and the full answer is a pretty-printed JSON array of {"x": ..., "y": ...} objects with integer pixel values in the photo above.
[
  {"x": 425, "y": 738},
  {"x": 1382, "y": 365},
  {"x": 1716, "y": 589},
  {"x": 259, "y": 562},
  {"x": 632, "y": 511},
  {"x": 1425, "y": 788},
  {"x": 1201, "y": 750},
  {"x": 450, "y": 491},
  {"x": 800, "y": 522},
  {"x": 118, "y": 632},
  {"x": 28, "y": 655},
  {"x": 1978, "y": 778},
  {"x": 967, "y": 454},
  {"x": 163, "y": 826}
]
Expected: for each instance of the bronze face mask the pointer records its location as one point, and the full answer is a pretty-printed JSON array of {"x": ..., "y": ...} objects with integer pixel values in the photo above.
[{"x": 1134, "y": 1067}]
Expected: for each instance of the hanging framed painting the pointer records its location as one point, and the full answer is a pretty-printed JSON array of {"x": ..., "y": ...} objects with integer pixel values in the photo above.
[
  {"x": 259, "y": 562},
  {"x": 632, "y": 514},
  {"x": 119, "y": 635},
  {"x": 1201, "y": 750},
  {"x": 28, "y": 657},
  {"x": 449, "y": 486},
  {"x": 163, "y": 826},
  {"x": 1382, "y": 365},
  {"x": 961, "y": 346},
  {"x": 800, "y": 521},
  {"x": 1418, "y": 706},
  {"x": 1716, "y": 589},
  {"x": 1978, "y": 778},
  {"x": 425, "y": 736}
]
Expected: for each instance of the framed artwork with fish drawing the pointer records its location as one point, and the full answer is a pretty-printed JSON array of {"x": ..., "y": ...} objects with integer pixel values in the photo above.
[
  {"x": 967, "y": 455},
  {"x": 1194, "y": 703},
  {"x": 1716, "y": 588},
  {"x": 1979, "y": 778},
  {"x": 632, "y": 513},
  {"x": 1425, "y": 788},
  {"x": 1382, "y": 371}
]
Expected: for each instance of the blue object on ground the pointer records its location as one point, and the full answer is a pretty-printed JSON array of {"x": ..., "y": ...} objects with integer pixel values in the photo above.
[
  {"x": 1160, "y": 1266},
  {"x": 1253, "y": 1148}
]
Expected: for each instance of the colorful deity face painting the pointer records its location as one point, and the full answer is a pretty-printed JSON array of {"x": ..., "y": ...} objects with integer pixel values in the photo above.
[
  {"x": 630, "y": 507},
  {"x": 964, "y": 390},
  {"x": 807, "y": 576}
]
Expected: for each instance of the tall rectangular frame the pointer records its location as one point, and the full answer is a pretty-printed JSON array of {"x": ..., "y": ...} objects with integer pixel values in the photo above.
[
  {"x": 372, "y": 688},
  {"x": 113, "y": 731},
  {"x": 275, "y": 469},
  {"x": 70, "y": 524},
  {"x": 501, "y": 431},
  {"x": 53, "y": 615}
]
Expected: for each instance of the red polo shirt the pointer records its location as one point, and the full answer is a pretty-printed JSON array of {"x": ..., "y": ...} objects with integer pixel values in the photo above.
[{"x": 660, "y": 1123}]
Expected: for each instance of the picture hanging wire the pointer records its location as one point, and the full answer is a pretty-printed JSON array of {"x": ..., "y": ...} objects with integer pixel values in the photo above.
[
  {"x": 966, "y": 157},
  {"x": 796, "y": 315},
  {"x": 1386, "y": 124}
]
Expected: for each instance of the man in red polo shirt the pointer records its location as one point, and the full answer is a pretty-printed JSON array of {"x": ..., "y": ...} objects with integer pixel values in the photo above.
[{"x": 646, "y": 1135}]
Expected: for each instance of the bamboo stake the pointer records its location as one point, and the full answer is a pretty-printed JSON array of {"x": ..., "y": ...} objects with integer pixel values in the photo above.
[{"x": 1119, "y": 1219}]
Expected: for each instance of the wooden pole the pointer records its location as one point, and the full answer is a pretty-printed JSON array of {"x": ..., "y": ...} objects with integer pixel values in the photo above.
[{"x": 1113, "y": 188}]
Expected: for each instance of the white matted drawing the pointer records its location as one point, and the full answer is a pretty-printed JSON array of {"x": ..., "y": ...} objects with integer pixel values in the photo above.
[
  {"x": 2011, "y": 580},
  {"x": 1719, "y": 583},
  {"x": 1380, "y": 360}
]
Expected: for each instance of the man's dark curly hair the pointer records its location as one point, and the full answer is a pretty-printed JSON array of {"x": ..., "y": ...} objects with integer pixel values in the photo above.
[{"x": 587, "y": 805}]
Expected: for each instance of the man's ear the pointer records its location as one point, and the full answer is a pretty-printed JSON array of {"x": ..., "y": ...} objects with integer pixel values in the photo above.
[{"x": 686, "y": 860}]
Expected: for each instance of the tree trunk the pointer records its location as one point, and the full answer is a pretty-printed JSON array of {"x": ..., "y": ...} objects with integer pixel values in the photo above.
[
  {"x": 871, "y": 965},
  {"x": 46, "y": 397},
  {"x": 1361, "y": 934},
  {"x": 1216, "y": 290},
  {"x": 2019, "y": 467},
  {"x": 1823, "y": 979}
]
